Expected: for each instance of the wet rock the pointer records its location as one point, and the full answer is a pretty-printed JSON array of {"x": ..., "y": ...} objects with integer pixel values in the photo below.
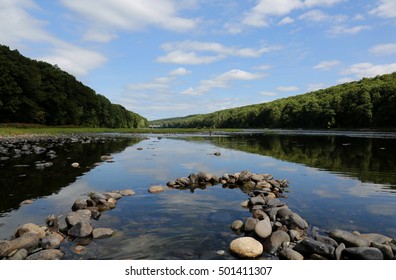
[
  {"x": 263, "y": 185},
  {"x": 28, "y": 241},
  {"x": 79, "y": 204},
  {"x": 349, "y": 239},
  {"x": 128, "y": 192},
  {"x": 75, "y": 165},
  {"x": 50, "y": 254},
  {"x": 50, "y": 242},
  {"x": 362, "y": 253},
  {"x": 250, "y": 224},
  {"x": 156, "y": 189},
  {"x": 245, "y": 203},
  {"x": 275, "y": 241},
  {"x": 290, "y": 254},
  {"x": 246, "y": 247},
  {"x": 21, "y": 254},
  {"x": 99, "y": 233},
  {"x": 284, "y": 213},
  {"x": 295, "y": 235},
  {"x": 245, "y": 176},
  {"x": 264, "y": 228},
  {"x": 385, "y": 249},
  {"x": 319, "y": 248},
  {"x": 32, "y": 228},
  {"x": 113, "y": 195},
  {"x": 327, "y": 240},
  {"x": 375, "y": 237},
  {"x": 296, "y": 220},
  {"x": 237, "y": 225},
  {"x": 80, "y": 230},
  {"x": 97, "y": 197},
  {"x": 78, "y": 216},
  {"x": 274, "y": 202},
  {"x": 338, "y": 251},
  {"x": 257, "y": 200}
]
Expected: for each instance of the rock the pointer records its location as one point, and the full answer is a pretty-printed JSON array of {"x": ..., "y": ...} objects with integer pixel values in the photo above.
[
  {"x": 75, "y": 165},
  {"x": 237, "y": 225},
  {"x": 28, "y": 241},
  {"x": 21, "y": 254},
  {"x": 295, "y": 235},
  {"x": 274, "y": 202},
  {"x": 106, "y": 157},
  {"x": 362, "y": 253},
  {"x": 327, "y": 240},
  {"x": 33, "y": 228},
  {"x": 50, "y": 242},
  {"x": 275, "y": 241},
  {"x": 99, "y": 233},
  {"x": 79, "y": 249},
  {"x": 79, "y": 204},
  {"x": 250, "y": 224},
  {"x": 338, "y": 251},
  {"x": 246, "y": 247},
  {"x": 78, "y": 216},
  {"x": 113, "y": 195},
  {"x": 27, "y": 201},
  {"x": 317, "y": 257},
  {"x": 259, "y": 214},
  {"x": 349, "y": 239},
  {"x": 217, "y": 154},
  {"x": 221, "y": 253},
  {"x": 81, "y": 229},
  {"x": 375, "y": 237},
  {"x": 245, "y": 203},
  {"x": 290, "y": 254},
  {"x": 156, "y": 189},
  {"x": 50, "y": 254},
  {"x": 263, "y": 185},
  {"x": 385, "y": 249},
  {"x": 62, "y": 224},
  {"x": 97, "y": 197},
  {"x": 264, "y": 228},
  {"x": 319, "y": 248},
  {"x": 257, "y": 200},
  {"x": 284, "y": 213},
  {"x": 296, "y": 220},
  {"x": 257, "y": 178},
  {"x": 245, "y": 176},
  {"x": 128, "y": 192}
]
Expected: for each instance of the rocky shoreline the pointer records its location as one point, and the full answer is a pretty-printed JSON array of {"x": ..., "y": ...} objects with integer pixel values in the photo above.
[{"x": 276, "y": 232}]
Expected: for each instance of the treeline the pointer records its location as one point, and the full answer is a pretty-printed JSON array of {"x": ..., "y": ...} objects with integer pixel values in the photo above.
[
  {"x": 368, "y": 103},
  {"x": 37, "y": 92}
]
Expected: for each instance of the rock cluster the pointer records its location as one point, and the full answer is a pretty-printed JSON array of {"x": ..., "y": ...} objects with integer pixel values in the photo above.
[
  {"x": 274, "y": 231},
  {"x": 33, "y": 242}
]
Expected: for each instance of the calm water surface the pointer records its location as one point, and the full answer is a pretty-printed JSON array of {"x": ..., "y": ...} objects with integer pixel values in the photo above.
[{"x": 345, "y": 181}]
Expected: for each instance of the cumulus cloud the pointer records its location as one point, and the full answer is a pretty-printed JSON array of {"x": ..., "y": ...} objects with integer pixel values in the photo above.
[
  {"x": 361, "y": 70},
  {"x": 386, "y": 9},
  {"x": 222, "y": 81},
  {"x": 326, "y": 64},
  {"x": 195, "y": 52},
  {"x": 383, "y": 49}
]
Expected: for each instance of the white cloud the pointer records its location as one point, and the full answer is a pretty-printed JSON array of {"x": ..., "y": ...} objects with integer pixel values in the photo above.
[
  {"x": 180, "y": 72},
  {"x": 130, "y": 15},
  {"x": 314, "y": 15},
  {"x": 286, "y": 20},
  {"x": 287, "y": 88},
  {"x": 314, "y": 87},
  {"x": 327, "y": 64},
  {"x": 158, "y": 84},
  {"x": 345, "y": 80},
  {"x": 187, "y": 52},
  {"x": 262, "y": 67},
  {"x": 383, "y": 49},
  {"x": 267, "y": 93},
  {"x": 386, "y": 9},
  {"x": 361, "y": 70},
  {"x": 222, "y": 81},
  {"x": 342, "y": 29}
]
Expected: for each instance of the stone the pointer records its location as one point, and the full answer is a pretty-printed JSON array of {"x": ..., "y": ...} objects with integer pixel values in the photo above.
[
  {"x": 128, "y": 192},
  {"x": 327, "y": 240},
  {"x": 50, "y": 242},
  {"x": 106, "y": 157},
  {"x": 349, "y": 239},
  {"x": 28, "y": 241},
  {"x": 375, "y": 237},
  {"x": 362, "y": 253},
  {"x": 250, "y": 224},
  {"x": 79, "y": 249},
  {"x": 113, "y": 195},
  {"x": 316, "y": 247},
  {"x": 221, "y": 253},
  {"x": 283, "y": 213},
  {"x": 259, "y": 214},
  {"x": 50, "y": 254},
  {"x": 156, "y": 189},
  {"x": 30, "y": 227},
  {"x": 290, "y": 254},
  {"x": 244, "y": 204},
  {"x": 257, "y": 178},
  {"x": 274, "y": 202},
  {"x": 296, "y": 220},
  {"x": 97, "y": 197},
  {"x": 385, "y": 249},
  {"x": 275, "y": 241},
  {"x": 79, "y": 204},
  {"x": 246, "y": 247},
  {"x": 75, "y": 165},
  {"x": 264, "y": 228},
  {"x": 27, "y": 201},
  {"x": 263, "y": 185},
  {"x": 257, "y": 200},
  {"x": 295, "y": 235},
  {"x": 244, "y": 176},
  {"x": 78, "y": 216},
  {"x": 80, "y": 230},
  {"x": 237, "y": 225},
  {"x": 21, "y": 254},
  {"x": 100, "y": 233},
  {"x": 338, "y": 251}
]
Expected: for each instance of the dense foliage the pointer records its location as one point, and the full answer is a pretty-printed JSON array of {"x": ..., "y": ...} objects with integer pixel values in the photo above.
[
  {"x": 37, "y": 92},
  {"x": 368, "y": 103}
]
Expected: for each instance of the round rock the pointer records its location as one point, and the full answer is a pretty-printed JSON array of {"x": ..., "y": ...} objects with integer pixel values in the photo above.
[
  {"x": 246, "y": 247},
  {"x": 263, "y": 228},
  {"x": 156, "y": 189},
  {"x": 29, "y": 227},
  {"x": 237, "y": 225}
]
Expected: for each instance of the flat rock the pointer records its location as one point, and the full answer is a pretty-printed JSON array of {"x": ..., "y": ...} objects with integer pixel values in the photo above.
[
  {"x": 290, "y": 254},
  {"x": 156, "y": 189},
  {"x": 32, "y": 228},
  {"x": 349, "y": 239},
  {"x": 246, "y": 247},
  {"x": 50, "y": 254},
  {"x": 127, "y": 192},
  {"x": 99, "y": 233},
  {"x": 362, "y": 253},
  {"x": 78, "y": 216},
  {"x": 327, "y": 240}
]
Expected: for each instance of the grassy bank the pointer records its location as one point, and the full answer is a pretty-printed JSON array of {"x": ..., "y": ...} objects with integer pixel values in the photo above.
[{"x": 28, "y": 129}]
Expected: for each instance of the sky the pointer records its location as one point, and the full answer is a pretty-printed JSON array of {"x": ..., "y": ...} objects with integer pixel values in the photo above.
[{"x": 169, "y": 58}]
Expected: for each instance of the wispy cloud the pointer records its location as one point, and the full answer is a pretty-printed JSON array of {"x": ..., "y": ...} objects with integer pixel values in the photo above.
[
  {"x": 223, "y": 81},
  {"x": 326, "y": 64},
  {"x": 361, "y": 70},
  {"x": 383, "y": 49},
  {"x": 386, "y": 9},
  {"x": 347, "y": 30},
  {"x": 287, "y": 88}
]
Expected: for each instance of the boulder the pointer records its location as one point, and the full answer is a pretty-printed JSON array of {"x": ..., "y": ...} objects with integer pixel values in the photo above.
[
  {"x": 50, "y": 254},
  {"x": 78, "y": 216},
  {"x": 246, "y": 247},
  {"x": 316, "y": 247},
  {"x": 80, "y": 230},
  {"x": 349, "y": 239},
  {"x": 264, "y": 228},
  {"x": 29, "y": 227},
  {"x": 362, "y": 253},
  {"x": 28, "y": 241},
  {"x": 275, "y": 241}
]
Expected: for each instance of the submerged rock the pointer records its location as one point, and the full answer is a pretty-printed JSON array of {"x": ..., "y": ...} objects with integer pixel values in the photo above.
[{"x": 156, "y": 189}]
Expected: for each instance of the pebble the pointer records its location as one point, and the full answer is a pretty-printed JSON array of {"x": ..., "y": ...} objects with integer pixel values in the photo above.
[
  {"x": 250, "y": 224},
  {"x": 237, "y": 225},
  {"x": 75, "y": 165},
  {"x": 246, "y": 247}
]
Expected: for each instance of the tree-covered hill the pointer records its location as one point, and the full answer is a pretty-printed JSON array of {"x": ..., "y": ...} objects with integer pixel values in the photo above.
[
  {"x": 368, "y": 103},
  {"x": 37, "y": 92}
]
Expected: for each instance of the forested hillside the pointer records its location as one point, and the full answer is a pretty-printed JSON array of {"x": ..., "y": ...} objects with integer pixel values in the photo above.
[
  {"x": 37, "y": 92},
  {"x": 368, "y": 103}
]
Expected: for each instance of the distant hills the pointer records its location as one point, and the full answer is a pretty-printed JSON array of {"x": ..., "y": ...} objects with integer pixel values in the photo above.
[
  {"x": 37, "y": 92},
  {"x": 368, "y": 103}
]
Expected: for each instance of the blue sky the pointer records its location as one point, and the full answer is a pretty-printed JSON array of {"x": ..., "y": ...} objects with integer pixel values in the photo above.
[{"x": 166, "y": 58}]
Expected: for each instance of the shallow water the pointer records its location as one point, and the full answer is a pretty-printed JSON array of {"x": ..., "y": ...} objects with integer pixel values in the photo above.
[{"x": 343, "y": 181}]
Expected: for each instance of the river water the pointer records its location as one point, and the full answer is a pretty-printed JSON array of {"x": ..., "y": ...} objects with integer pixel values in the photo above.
[{"x": 344, "y": 180}]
